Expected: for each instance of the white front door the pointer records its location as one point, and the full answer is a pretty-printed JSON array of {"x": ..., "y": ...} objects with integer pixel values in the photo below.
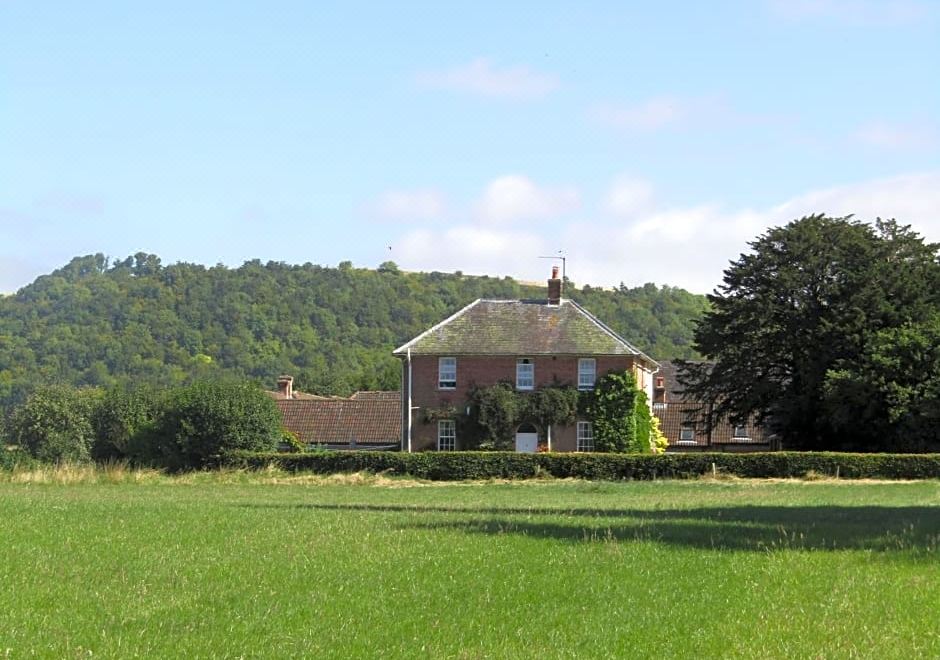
[{"x": 527, "y": 442}]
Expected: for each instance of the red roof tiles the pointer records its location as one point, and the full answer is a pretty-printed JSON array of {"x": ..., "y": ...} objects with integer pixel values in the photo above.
[{"x": 369, "y": 420}]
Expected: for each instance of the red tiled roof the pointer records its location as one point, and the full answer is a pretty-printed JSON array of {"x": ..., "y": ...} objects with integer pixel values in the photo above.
[
  {"x": 678, "y": 412},
  {"x": 673, "y": 416},
  {"x": 343, "y": 421}
]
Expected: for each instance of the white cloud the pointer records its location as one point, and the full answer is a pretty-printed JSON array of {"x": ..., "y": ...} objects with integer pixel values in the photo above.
[
  {"x": 470, "y": 248},
  {"x": 911, "y": 199},
  {"x": 627, "y": 196},
  {"x": 676, "y": 226},
  {"x": 868, "y": 12},
  {"x": 680, "y": 246},
  {"x": 516, "y": 197},
  {"x": 483, "y": 77},
  {"x": 885, "y": 135},
  {"x": 410, "y": 205},
  {"x": 649, "y": 115}
]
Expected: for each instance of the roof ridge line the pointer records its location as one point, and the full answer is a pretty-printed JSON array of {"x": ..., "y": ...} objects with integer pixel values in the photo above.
[
  {"x": 603, "y": 326},
  {"x": 450, "y": 318}
]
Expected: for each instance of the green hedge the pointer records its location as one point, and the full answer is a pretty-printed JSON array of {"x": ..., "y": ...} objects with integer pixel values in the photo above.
[{"x": 448, "y": 466}]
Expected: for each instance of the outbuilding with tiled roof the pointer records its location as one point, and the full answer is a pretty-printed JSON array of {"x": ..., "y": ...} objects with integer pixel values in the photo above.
[
  {"x": 681, "y": 420},
  {"x": 366, "y": 423}
]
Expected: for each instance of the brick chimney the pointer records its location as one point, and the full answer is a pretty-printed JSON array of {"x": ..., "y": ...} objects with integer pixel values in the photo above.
[
  {"x": 554, "y": 288},
  {"x": 285, "y": 387},
  {"x": 659, "y": 389}
]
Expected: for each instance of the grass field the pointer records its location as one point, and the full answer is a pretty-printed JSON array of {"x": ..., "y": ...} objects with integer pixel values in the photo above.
[{"x": 238, "y": 565}]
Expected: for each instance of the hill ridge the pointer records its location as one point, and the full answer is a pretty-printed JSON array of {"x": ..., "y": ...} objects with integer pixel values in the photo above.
[{"x": 103, "y": 322}]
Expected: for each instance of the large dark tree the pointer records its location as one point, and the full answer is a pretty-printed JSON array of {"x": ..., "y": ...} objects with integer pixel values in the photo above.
[
  {"x": 805, "y": 303},
  {"x": 892, "y": 392}
]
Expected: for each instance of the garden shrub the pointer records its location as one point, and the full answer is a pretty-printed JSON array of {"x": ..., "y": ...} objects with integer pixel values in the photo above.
[
  {"x": 290, "y": 442},
  {"x": 658, "y": 439},
  {"x": 54, "y": 424},
  {"x": 119, "y": 417},
  {"x": 205, "y": 419}
]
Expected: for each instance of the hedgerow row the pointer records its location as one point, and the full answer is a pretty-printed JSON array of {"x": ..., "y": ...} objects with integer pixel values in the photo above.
[{"x": 448, "y": 466}]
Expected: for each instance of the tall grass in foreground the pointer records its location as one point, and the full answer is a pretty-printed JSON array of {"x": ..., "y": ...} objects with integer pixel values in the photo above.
[
  {"x": 122, "y": 472},
  {"x": 234, "y": 564},
  {"x": 116, "y": 472}
]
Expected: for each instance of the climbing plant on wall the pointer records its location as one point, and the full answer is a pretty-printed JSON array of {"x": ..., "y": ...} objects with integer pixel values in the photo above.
[{"x": 619, "y": 413}]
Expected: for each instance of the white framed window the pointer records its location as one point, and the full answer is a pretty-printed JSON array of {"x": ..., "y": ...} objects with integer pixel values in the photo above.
[
  {"x": 587, "y": 373},
  {"x": 446, "y": 435},
  {"x": 447, "y": 373},
  {"x": 740, "y": 433},
  {"x": 525, "y": 374},
  {"x": 687, "y": 433},
  {"x": 585, "y": 437}
]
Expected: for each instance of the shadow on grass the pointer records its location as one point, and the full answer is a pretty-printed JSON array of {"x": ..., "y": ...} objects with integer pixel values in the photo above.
[{"x": 756, "y": 528}]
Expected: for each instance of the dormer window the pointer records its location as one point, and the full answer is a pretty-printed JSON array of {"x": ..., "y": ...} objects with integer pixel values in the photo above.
[
  {"x": 447, "y": 373},
  {"x": 687, "y": 433},
  {"x": 740, "y": 433},
  {"x": 525, "y": 374}
]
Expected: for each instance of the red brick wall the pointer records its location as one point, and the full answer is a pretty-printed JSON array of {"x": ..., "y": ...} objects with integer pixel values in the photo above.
[{"x": 479, "y": 370}]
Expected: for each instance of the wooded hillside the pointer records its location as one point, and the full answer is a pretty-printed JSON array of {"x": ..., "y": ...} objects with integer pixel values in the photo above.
[{"x": 95, "y": 322}]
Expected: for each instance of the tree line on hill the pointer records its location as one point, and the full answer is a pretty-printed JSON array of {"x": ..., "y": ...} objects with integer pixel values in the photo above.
[{"x": 137, "y": 322}]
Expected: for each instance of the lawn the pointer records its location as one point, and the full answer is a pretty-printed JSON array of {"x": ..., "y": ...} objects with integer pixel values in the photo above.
[{"x": 241, "y": 565}]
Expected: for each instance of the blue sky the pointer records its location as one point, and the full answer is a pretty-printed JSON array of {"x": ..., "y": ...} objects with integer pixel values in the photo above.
[{"x": 649, "y": 141}]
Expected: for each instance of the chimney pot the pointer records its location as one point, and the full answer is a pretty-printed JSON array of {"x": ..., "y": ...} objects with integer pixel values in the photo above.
[
  {"x": 554, "y": 288},
  {"x": 285, "y": 387}
]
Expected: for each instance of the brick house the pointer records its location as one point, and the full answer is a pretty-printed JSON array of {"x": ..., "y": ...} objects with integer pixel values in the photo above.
[
  {"x": 530, "y": 343},
  {"x": 680, "y": 423}
]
